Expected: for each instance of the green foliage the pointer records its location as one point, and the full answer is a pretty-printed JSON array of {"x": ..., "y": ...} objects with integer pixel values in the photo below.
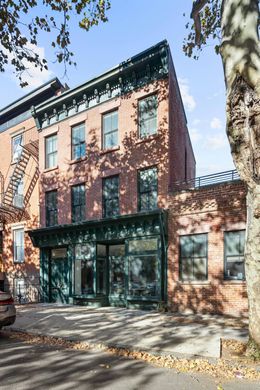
[
  {"x": 19, "y": 32},
  {"x": 210, "y": 17}
]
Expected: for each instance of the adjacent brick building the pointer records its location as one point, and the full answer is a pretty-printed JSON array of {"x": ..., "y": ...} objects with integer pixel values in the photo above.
[{"x": 113, "y": 226}]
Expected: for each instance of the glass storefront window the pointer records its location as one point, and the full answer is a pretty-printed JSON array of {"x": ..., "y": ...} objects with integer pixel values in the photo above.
[
  {"x": 117, "y": 269},
  {"x": 84, "y": 269},
  {"x": 143, "y": 268}
]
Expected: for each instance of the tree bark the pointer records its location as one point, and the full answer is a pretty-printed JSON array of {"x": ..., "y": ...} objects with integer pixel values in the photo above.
[{"x": 241, "y": 60}]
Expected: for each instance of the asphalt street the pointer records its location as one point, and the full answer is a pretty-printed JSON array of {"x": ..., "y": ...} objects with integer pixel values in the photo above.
[{"x": 29, "y": 366}]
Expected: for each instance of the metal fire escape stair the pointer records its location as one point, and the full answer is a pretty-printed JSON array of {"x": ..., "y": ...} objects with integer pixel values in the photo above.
[{"x": 8, "y": 211}]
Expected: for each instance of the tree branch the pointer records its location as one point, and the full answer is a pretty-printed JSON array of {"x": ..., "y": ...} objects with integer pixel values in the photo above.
[{"x": 195, "y": 15}]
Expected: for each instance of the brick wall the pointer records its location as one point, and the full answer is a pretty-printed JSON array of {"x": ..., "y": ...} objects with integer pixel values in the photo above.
[
  {"x": 125, "y": 160},
  {"x": 212, "y": 210}
]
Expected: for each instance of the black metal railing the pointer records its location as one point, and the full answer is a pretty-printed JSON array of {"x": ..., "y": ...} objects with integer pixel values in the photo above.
[{"x": 208, "y": 180}]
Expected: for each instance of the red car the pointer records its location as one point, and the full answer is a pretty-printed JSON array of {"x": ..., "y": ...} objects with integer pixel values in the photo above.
[{"x": 7, "y": 309}]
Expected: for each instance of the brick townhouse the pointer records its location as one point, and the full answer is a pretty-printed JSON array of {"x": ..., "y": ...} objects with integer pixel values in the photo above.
[{"x": 121, "y": 219}]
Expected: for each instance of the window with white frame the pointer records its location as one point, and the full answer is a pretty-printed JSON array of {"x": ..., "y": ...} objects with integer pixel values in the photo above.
[
  {"x": 51, "y": 151},
  {"x": 78, "y": 142},
  {"x": 110, "y": 130},
  {"x": 147, "y": 116},
  {"x": 17, "y": 147},
  {"x": 18, "y": 245},
  {"x": 18, "y": 196}
]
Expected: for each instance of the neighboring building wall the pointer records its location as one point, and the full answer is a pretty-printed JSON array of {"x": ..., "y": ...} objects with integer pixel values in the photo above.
[
  {"x": 182, "y": 160},
  {"x": 131, "y": 154},
  {"x": 26, "y": 273},
  {"x": 212, "y": 210}
]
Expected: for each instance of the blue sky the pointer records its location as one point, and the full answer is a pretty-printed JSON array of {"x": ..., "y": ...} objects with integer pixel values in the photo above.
[{"x": 133, "y": 26}]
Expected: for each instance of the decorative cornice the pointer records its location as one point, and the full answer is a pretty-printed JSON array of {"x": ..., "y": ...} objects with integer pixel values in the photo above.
[
  {"x": 145, "y": 223},
  {"x": 148, "y": 66}
]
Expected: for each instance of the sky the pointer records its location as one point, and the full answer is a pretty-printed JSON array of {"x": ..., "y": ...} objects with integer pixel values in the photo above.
[{"x": 133, "y": 26}]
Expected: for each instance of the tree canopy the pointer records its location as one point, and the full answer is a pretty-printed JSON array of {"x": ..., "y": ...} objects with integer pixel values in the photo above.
[{"x": 21, "y": 27}]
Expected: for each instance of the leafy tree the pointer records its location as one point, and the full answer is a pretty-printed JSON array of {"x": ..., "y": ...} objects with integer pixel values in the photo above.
[
  {"x": 235, "y": 24},
  {"x": 20, "y": 30}
]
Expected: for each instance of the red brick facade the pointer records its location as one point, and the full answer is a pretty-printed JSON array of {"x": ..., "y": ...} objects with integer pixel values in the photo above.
[{"x": 212, "y": 210}]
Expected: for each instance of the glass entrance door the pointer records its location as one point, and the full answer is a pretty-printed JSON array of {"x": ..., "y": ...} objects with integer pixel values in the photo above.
[{"x": 116, "y": 255}]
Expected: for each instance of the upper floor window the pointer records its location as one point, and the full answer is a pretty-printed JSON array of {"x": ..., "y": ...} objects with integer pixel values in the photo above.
[
  {"x": 17, "y": 147},
  {"x": 110, "y": 130},
  {"x": 147, "y": 189},
  {"x": 51, "y": 208},
  {"x": 193, "y": 257},
  {"x": 78, "y": 141},
  {"x": 111, "y": 196},
  {"x": 18, "y": 245},
  {"x": 18, "y": 196},
  {"x": 147, "y": 112},
  {"x": 51, "y": 151},
  {"x": 78, "y": 202},
  {"x": 234, "y": 255}
]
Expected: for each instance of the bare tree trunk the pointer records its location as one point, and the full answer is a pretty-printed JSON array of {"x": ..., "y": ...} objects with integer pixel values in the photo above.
[{"x": 241, "y": 60}]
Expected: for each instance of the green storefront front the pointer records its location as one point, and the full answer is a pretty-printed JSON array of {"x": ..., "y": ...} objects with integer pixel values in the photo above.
[{"x": 118, "y": 261}]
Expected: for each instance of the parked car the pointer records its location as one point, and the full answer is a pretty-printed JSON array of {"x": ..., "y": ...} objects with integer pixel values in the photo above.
[{"x": 7, "y": 309}]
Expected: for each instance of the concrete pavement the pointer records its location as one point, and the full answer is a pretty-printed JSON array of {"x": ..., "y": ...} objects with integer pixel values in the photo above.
[{"x": 166, "y": 333}]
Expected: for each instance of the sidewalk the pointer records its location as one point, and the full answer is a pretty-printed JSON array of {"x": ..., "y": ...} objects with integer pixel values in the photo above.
[{"x": 179, "y": 335}]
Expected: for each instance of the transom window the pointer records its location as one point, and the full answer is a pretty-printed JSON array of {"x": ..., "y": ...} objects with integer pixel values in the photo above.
[
  {"x": 78, "y": 203},
  {"x": 18, "y": 245},
  {"x": 110, "y": 130},
  {"x": 51, "y": 208},
  {"x": 193, "y": 257},
  {"x": 147, "y": 189},
  {"x": 234, "y": 255},
  {"x": 147, "y": 112},
  {"x": 51, "y": 151},
  {"x": 17, "y": 147},
  {"x": 111, "y": 196},
  {"x": 78, "y": 141}
]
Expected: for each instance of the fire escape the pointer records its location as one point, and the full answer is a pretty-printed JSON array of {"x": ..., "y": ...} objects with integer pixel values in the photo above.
[{"x": 14, "y": 206}]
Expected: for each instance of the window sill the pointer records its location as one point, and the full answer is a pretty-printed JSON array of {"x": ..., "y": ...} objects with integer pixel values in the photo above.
[
  {"x": 195, "y": 282},
  {"x": 50, "y": 169},
  {"x": 234, "y": 281},
  {"x": 77, "y": 160},
  {"x": 105, "y": 151},
  {"x": 147, "y": 139}
]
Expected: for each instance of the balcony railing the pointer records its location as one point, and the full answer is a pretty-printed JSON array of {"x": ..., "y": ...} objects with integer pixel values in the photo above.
[{"x": 208, "y": 180}]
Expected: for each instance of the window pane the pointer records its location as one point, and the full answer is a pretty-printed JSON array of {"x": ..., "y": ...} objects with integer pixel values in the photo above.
[
  {"x": 117, "y": 275},
  {"x": 200, "y": 268},
  {"x": 140, "y": 246},
  {"x": 51, "y": 208},
  {"x": 234, "y": 255},
  {"x": 17, "y": 143},
  {"x": 110, "y": 130},
  {"x": 147, "y": 189},
  {"x": 18, "y": 237},
  {"x": 187, "y": 269},
  {"x": 111, "y": 196},
  {"x": 87, "y": 276},
  {"x": 199, "y": 245},
  {"x": 148, "y": 116},
  {"x": 78, "y": 141},
  {"x": 143, "y": 276},
  {"x": 193, "y": 257},
  {"x": 78, "y": 202},
  {"x": 51, "y": 151}
]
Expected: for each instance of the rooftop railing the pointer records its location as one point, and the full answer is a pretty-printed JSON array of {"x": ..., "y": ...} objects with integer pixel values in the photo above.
[{"x": 208, "y": 180}]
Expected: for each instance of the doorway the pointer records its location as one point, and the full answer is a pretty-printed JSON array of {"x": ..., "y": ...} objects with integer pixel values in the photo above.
[{"x": 59, "y": 276}]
